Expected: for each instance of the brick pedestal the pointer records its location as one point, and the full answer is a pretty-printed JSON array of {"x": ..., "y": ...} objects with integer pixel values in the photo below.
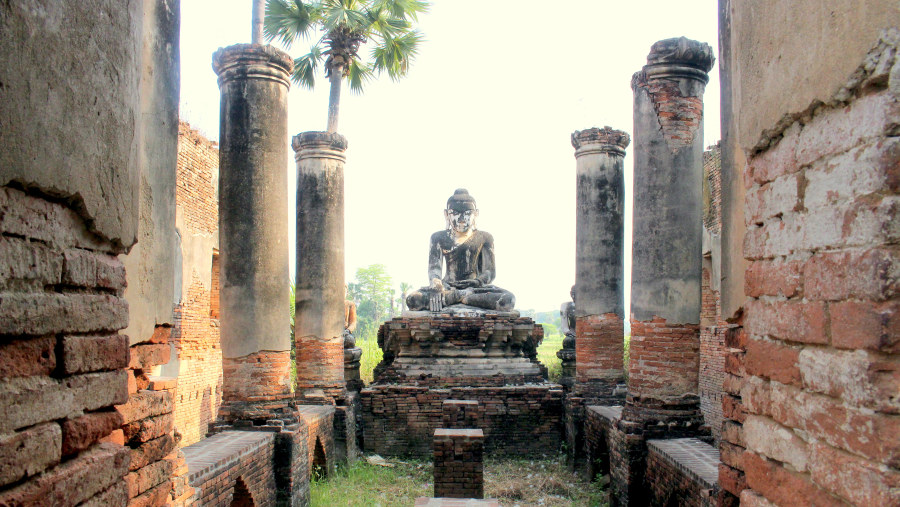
[{"x": 458, "y": 463}]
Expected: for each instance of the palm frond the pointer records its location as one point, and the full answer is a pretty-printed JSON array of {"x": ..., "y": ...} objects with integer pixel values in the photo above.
[
  {"x": 381, "y": 22},
  {"x": 403, "y": 9},
  {"x": 358, "y": 75},
  {"x": 305, "y": 68},
  {"x": 343, "y": 15},
  {"x": 394, "y": 54},
  {"x": 290, "y": 20}
]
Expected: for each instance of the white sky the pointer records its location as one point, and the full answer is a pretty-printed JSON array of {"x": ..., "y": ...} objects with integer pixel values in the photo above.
[{"x": 489, "y": 105}]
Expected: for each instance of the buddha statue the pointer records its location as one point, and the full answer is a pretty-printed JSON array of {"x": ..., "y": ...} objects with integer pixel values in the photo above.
[{"x": 461, "y": 264}]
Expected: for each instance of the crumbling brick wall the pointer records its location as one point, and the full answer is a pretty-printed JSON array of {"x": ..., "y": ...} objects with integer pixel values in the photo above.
[
  {"x": 62, "y": 360},
  {"x": 822, "y": 364},
  {"x": 196, "y": 333},
  {"x": 519, "y": 420}
]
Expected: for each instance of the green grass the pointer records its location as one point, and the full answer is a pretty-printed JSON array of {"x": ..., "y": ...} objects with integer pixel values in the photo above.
[
  {"x": 371, "y": 356},
  {"x": 546, "y": 354},
  {"x": 522, "y": 482}
]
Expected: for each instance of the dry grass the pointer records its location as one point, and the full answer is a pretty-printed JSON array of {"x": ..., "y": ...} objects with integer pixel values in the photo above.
[{"x": 514, "y": 482}]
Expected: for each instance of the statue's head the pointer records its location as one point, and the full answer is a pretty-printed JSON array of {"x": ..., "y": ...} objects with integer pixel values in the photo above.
[
  {"x": 572, "y": 293},
  {"x": 461, "y": 211}
]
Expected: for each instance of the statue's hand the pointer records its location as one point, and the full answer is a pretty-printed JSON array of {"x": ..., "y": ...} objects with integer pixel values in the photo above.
[
  {"x": 437, "y": 284},
  {"x": 436, "y": 302}
]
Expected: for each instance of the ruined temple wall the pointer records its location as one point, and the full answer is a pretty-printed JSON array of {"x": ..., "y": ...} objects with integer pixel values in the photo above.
[
  {"x": 712, "y": 327},
  {"x": 197, "y": 355},
  {"x": 810, "y": 220},
  {"x": 89, "y": 143},
  {"x": 516, "y": 420}
]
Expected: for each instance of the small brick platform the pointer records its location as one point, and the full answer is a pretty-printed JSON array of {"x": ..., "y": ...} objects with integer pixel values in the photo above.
[
  {"x": 217, "y": 463},
  {"x": 423, "y": 501},
  {"x": 455, "y": 502},
  {"x": 682, "y": 471},
  {"x": 458, "y": 463}
]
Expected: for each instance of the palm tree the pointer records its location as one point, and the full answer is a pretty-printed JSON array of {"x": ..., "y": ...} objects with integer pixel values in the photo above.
[
  {"x": 404, "y": 291},
  {"x": 345, "y": 26}
]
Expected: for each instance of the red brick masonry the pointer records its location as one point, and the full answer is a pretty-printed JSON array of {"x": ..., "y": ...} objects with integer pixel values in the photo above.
[{"x": 458, "y": 463}]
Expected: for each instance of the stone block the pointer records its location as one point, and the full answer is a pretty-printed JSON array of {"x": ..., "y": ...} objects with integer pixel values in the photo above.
[
  {"x": 795, "y": 321},
  {"x": 29, "y": 264},
  {"x": 148, "y": 477},
  {"x": 146, "y": 404},
  {"x": 854, "y": 479},
  {"x": 145, "y": 357},
  {"x": 858, "y": 378},
  {"x": 84, "y": 268},
  {"x": 838, "y": 130},
  {"x": 860, "y": 171},
  {"x": 773, "y": 278},
  {"x": 27, "y": 356},
  {"x": 858, "y": 431},
  {"x": 28, "y": 452},
  {"x": 782, "y": 486},
  {"x": 768, "y": 438},
  {"x": 773, "y": 360},
  {"x": 117, "y": 494},
  {"x": 87, "y": 353},
  {"x": 772, "y": 199},
  {"x": 46, "y": 313},
  {"x": 148, "y": 429},
  {"x": 31, "y": 400},
  {"x": 154, "y": 497},
  {"x": 872, "y": 274},
  {"x": 151, "y": 452},
  {"x": 866, "y": 325},
  {"x": 82, "y": 432},
  {"x": 74, "y": 481}
]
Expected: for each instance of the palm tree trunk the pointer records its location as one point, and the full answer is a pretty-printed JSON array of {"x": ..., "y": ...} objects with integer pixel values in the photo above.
[
  {"x": 257, "y": 16},
  {"x": 334, "y": 97}
]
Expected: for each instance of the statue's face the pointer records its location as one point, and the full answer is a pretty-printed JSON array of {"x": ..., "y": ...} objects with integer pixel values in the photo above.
[{"x": 461, "y": 220}]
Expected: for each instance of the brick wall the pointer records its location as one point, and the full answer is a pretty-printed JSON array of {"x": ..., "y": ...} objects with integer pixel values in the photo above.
[
  {"x": 681, "y": 472},
  {"x": 822, "y": 359},
  {"x": 62, "y": 361},
  {"x": 654, "y": 370},
  {"x": 196, "y": 332},
  {"x": 231, "y": 465},
  {"x": 458, "y": 463},
  {"x": 517, "y": 420},
  {"x": 599, "y": 358},
  {"x": 712, "y": 357}
]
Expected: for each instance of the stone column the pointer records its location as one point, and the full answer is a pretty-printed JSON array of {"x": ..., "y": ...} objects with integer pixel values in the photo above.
[
  {"x": 319, "y": 316},
  {"x": 599, "y": 267},
  {"x": 666, "y": 249},
  {"x": 253, "y": 227}
]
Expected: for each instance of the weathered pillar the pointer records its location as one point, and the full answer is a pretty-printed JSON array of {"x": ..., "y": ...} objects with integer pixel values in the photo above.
[
  {"x": 666, "y": 249},
  {"x": 662, "y": 399},
  {"x": 599, "y": 267},
  {"x": 253, "y": 227},
  {"x": 319, "y": 316}
]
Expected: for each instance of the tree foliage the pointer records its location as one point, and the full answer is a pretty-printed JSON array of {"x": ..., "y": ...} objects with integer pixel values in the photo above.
[
  {"x": 372, "y": 292},
  {"x": 337, "y": 29}
]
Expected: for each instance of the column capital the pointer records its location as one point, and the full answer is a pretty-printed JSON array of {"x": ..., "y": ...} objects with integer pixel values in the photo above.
[
  {"x": 677, "y": 57},
  {"x": 595, "y": 139},
  {"x": 319, "y": 145},
  {"x": 252, "y": 61}
]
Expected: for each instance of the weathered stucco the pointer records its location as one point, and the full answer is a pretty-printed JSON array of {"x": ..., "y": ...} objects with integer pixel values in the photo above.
[
  {"x": 69, "y": 103},
  {"x": 253, "y": 224},
  {"x": 150, "y": 264},
  {"x": 759, "y": 60}
]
